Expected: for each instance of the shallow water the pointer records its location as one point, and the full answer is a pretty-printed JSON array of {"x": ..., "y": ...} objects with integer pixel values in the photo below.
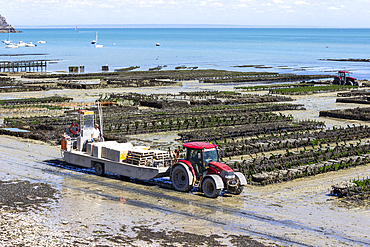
[
  {"x": 283, "y": 50},
  {"x": 15, "y": 130}
]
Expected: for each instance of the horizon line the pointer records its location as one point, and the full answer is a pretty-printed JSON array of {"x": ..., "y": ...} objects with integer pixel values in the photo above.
[{"x": 176, "y": 26}]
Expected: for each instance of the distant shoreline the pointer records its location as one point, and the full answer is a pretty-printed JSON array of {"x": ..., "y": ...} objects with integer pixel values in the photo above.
[
  {"x": 174, "y": 26},
  {"x": 5, "y": 31}
]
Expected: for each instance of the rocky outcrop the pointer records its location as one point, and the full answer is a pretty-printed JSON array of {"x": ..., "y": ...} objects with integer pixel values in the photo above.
[{"x": 5, "y": 27}]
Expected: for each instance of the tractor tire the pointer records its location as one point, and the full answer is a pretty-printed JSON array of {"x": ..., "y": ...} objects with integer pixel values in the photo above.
[
  {"x": 99, "y": 169},
  {"x": 236, "y": 190},
  {"x": 180, "y": 179},
  {"x": 337, "y": 81},
  {"x": 348, "y": 83},
  {"x": 209, "y": 188}
]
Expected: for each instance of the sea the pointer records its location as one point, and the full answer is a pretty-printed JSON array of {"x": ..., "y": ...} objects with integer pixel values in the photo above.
[{"x": 281, "y": 50}]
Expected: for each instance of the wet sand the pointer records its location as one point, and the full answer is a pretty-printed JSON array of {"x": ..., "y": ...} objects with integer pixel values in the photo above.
[
  {"x": 96, "y": 210},
  {"x": 91, "y": 210}
]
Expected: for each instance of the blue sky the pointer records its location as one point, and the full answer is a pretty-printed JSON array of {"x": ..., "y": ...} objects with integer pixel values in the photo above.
[{"x": 306, "y": 13}]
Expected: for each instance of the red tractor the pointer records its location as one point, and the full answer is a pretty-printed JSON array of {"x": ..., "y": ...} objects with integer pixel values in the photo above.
[
  {"x": 201, "y": 168},
  {"x": 344, "y": 79}
]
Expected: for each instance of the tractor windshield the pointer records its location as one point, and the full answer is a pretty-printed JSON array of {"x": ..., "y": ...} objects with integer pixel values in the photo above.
[{"x": 210, "y": 155}]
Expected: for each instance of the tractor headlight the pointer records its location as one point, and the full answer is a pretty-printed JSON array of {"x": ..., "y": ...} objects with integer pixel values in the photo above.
[
  {"x": 227, "y": 175},
  {"x": 230, "y": 176}
]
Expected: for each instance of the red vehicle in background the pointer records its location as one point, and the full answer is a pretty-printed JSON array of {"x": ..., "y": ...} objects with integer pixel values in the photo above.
[{"x": 343, "y": 78}]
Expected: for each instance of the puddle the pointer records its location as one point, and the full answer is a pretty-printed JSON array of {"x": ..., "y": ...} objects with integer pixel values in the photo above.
[{"x": 15, "y": 130}]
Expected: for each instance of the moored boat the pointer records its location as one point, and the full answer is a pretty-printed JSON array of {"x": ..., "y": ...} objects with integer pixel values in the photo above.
[
  {"x": 11, "y": 45},
  {"x": 30, "y": 44},
  {"x": 95, "y": 42},
  {"x": 21, "y": 43}
]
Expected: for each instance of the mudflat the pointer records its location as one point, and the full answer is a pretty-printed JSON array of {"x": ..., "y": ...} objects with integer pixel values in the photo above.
[{"x": 62, "y": 205}]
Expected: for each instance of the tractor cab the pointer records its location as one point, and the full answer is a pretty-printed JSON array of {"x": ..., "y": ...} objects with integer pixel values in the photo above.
[
  {"x": 342, "y": 75},
  {"x": 200, "y": 154}
]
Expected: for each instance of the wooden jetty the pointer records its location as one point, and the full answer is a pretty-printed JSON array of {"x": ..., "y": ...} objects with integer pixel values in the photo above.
[{"x": 23, "y": 66}]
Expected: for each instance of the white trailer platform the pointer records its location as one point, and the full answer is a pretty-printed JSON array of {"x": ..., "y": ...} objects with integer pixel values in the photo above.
[{"x": 83, "y": 159}]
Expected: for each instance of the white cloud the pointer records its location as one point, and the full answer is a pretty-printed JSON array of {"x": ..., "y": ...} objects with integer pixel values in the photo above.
[
  {"x": 242, "y": 5},
  {"x": 280, "y": 12},
  {"x": 218, "y": 4},
  {"x": 157, "y": 2},
  {"x": 107, "y": 6},
  {"x": 301, "y": 3},
  {"x": 203, "y": 3}
]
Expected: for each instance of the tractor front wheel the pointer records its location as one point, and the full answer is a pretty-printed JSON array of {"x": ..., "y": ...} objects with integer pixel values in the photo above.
[
  {"x": 180, "y": 179},
  {"x": 237, "y": 189},
  {"x": 209, "y": 188}
]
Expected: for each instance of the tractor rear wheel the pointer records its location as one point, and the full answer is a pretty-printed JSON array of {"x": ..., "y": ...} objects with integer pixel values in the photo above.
[
  {"x": 99, "y": 169},
  {"x": 209, "y": 188},
  {"x": 180, "y": 179},
  {"x": 337, "y": 81}
]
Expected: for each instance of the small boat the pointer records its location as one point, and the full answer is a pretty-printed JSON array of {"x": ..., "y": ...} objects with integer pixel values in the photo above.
[
  {"x": 95, "y": 42},
  {"x": 96, "y": 38},
  {"x": 30, "y": 44},
  {"x": 11, "y": 45},
  {"x": 7, "y": 41},
  {"x": 158, "y": 44},
  {"x": 21, "y": 43},
  {"x": 41, "y": 42}
]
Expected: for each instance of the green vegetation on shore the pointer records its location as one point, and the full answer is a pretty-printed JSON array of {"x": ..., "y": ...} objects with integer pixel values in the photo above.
[{"x": 310, "y": 89}]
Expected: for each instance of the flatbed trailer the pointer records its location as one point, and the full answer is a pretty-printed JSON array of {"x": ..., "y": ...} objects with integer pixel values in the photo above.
[{"x": 102, "y": 165}]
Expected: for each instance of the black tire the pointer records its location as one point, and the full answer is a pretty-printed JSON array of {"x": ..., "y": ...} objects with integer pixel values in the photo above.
[
  {"x": 337, "y": 81},
  {"x": 99, "y": 169},
  {"x": 236, "y": 190},
  {"x": 180, "y": 179},
  {"x": 348, "y": 83},
  {"x": 209, "y": 188}
]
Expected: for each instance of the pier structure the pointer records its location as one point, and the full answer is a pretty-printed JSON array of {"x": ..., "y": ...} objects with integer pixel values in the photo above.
[{"x": 23, "y": 66}]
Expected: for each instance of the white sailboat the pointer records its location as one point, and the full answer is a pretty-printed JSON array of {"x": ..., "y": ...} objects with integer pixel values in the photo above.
[
  {"x": 8, "y": 41},
  {"x": 97, "y": 45},
  {"x": 11, "y": 45}
]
